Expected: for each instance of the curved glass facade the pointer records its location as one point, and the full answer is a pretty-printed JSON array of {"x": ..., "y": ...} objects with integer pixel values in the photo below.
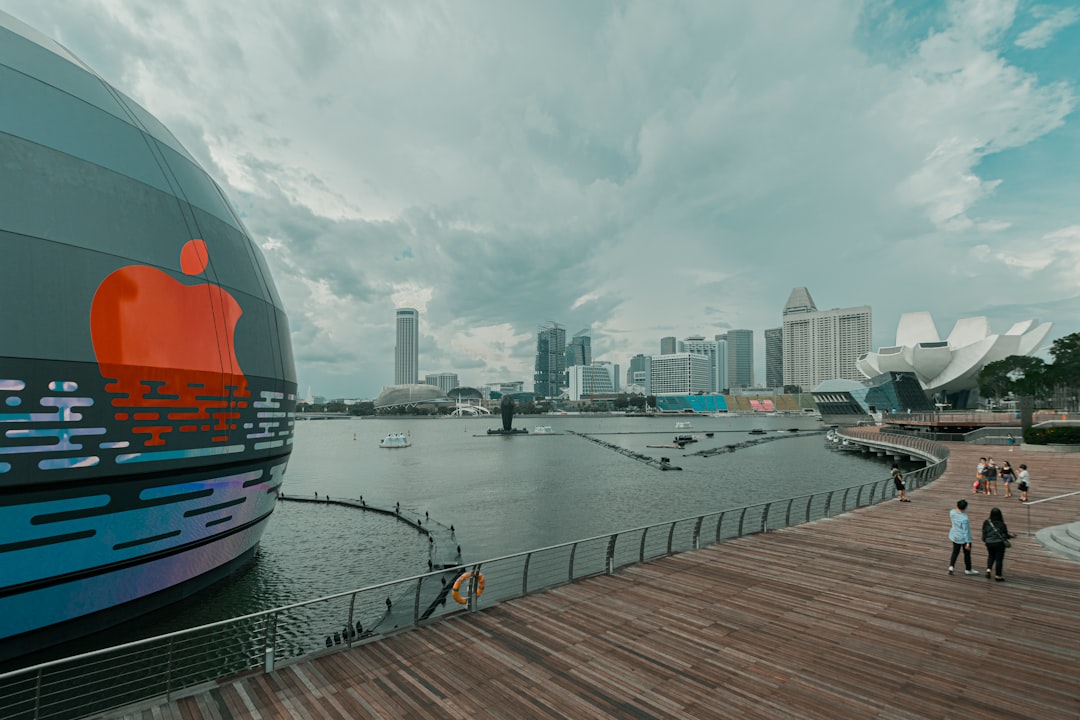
[{"x": 147, "y": 383}]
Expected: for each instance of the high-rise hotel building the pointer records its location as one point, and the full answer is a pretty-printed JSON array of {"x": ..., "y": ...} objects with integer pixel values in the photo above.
[
  {"x": 740, "y": 357},
  {"x": 774, "y": 357},
  {"x": 822, "y": 345},
  {"x": 407, "y": 348},
  {"x": 549, "y": 376},
  {"x": 679, "y": 374}
]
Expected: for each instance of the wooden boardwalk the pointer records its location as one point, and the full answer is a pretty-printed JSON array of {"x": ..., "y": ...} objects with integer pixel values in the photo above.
[{"x": 849, "y": 617}]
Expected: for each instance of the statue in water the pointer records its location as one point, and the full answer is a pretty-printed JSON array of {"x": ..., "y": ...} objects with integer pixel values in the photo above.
[{"x": 506, "y": 407}]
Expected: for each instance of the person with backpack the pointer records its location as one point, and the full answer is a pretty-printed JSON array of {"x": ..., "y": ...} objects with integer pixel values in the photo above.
[{"x": 995, "y": 535}]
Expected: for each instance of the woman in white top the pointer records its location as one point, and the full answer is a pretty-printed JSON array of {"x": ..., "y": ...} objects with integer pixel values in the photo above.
[{"x": 1022, "y": 481}]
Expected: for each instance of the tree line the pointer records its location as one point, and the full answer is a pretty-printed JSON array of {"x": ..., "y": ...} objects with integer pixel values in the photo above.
[{"x": 1054, "y": 384}]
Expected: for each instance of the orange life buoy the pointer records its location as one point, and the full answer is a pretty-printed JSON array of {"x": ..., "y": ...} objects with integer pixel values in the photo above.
[{"x": 462, "y": 578}]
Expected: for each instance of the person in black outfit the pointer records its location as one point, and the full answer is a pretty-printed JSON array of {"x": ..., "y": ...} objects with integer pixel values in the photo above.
[
  {"x": 898, "y": 481},
  {"x": 994, "y": 534}
]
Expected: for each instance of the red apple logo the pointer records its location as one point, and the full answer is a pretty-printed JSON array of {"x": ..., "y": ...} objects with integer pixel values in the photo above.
[{"x": 168, "y": 349}]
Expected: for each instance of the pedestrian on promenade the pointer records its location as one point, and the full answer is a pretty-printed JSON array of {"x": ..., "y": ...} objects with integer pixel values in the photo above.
[
  {"x": 980, "y": 478},
  {"x": 1007, "y": 477},
  {"x": 1023, "y": 482},
  {"x": 990, "y": 475},
  {"x": 995, "y": 534},
  {"x": 960, "y": 534},
  {"x": 898, "y": 481},
  {"x": 1011, "y": 441}
]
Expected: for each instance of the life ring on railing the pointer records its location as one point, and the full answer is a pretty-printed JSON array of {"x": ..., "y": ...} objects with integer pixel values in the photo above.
[{"x": 462, "y": 578}]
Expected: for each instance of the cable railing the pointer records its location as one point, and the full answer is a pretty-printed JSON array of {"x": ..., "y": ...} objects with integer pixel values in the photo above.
[{"x": 162, "y": 666}]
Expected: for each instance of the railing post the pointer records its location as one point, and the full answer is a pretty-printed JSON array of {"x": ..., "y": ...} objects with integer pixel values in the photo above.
[
  {"x": 765, "y": 518},
  {"x": 416, "y": 604},
  {"x": 697, "y": 533},
  {"x": 670, "y": 537},
  {"x": 809, "y": 504},
  {"x": 525, "y": 575},
  {"x": 828, "y": 502},
  {"x": 352, "y": 609},
  {"x": 268, "y": 645},
  {"x": 37, "y": 695},
  {"x": 474, "y": 585},
  {"x": 641, "y": 548},
  {"x": 609, "y": 558},
  {"x": 742, "y": 516},
  {"x": 843, "y": 503},
  {"x": 787, "y": 515},
  {"x": 573, "y": 551},
  {"x": 168, "y": 673},
  {"x": 719, "y": 524}
]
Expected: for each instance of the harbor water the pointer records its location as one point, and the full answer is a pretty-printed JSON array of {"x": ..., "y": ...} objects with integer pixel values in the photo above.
[{"x": 501, "y": 494}]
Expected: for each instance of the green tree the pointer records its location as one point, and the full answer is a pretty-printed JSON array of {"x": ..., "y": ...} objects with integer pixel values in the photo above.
[
  {"x": 995, "y": 380},
  {"x": 1063, "y": 375}
]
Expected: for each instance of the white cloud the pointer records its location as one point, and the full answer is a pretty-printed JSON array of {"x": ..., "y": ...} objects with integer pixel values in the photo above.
[
  {"x": 1054, "y": 19},
  {"x": 639, "y": 168}
]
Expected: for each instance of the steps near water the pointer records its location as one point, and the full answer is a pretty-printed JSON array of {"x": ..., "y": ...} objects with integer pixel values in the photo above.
[{"x": 1062, "y": 539}]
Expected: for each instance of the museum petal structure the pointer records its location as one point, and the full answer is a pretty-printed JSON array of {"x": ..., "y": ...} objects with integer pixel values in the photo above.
[{"x": 951, "y": 367}]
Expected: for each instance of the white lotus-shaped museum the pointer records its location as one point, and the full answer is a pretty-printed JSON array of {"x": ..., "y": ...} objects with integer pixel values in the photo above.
[{"x": 951, "y": 365}]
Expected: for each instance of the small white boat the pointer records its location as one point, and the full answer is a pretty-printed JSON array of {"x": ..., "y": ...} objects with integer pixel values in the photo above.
[
  {"x": 543, "y": 430},
  {"x": 395, "y": 440},
  {"x": 683, "y": 425}
]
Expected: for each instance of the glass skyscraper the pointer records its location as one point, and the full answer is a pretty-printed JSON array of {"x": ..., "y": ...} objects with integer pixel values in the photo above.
[
  {"x": 774, "y": 357},
  {"x": 550, "y": 373},
  {"x": 407, "y": 349},
  {"x": 740, "y": 352}
]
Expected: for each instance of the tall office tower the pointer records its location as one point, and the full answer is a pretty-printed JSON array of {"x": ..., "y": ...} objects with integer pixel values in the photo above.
[
  {"x": 638, "y": 372},
  {"x": 579, "y": 351},
  {"x": 711, "y": 349},
  {"x": 740, "y": 357},
  {"x": 774, "y": 357},
  {"x": 550, "y": 373},
  {"x": 667, "y": 346},
  {"x": 445, "y": 381},
  {"x": 679, "y": 374},
  {"x": 407, "y": 349},
  {"x": 822, "y": 345},
  {"x": 589, "y": 381}
]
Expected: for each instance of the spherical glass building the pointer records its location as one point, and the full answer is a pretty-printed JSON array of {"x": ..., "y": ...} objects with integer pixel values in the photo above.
[{"x": 147, "y": 385}]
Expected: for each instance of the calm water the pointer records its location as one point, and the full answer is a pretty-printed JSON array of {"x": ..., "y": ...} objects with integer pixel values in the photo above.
[{"x": 502, "y": 494}]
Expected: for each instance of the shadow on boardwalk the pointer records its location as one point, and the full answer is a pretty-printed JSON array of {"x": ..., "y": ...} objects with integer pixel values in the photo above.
[{"x": 849, "y": 617}]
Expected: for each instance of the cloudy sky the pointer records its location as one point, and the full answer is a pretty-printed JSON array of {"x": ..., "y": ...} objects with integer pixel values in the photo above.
[{"x": 640, "y": 169}]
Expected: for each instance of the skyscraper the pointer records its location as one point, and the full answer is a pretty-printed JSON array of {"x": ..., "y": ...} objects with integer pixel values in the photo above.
[
  {"x": 822, "y": 345},
  {"x": 407, "y": 349},
  {"x": 550, "y": 373},
  {"x": 445, "y": 381},
  {"x": 774, "y": 357},
  {"x": 667, "y": 345},
  {"x": 740, "y": 352},
  {"x": 638, "y": 374},
  {"x": 579, "y": 351},
  {"x": 712, "y": 350},
  {"x": 679, "y": 373}
]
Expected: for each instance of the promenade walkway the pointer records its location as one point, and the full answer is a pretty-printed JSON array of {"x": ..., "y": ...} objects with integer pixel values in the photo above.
[{"x": 849, "y": 617}]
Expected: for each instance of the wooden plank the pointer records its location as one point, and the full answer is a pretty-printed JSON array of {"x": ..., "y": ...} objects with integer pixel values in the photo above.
[{"x": 849, "y": 617}]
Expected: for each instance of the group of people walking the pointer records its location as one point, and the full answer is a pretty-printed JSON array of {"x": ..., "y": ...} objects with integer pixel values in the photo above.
[
  {"x": 986, "y": 477},
  {"x": 995, "y": 535}
]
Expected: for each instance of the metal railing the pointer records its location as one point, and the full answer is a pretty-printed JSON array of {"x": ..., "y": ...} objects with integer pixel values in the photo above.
[
  {"x": 114, "y": 677},
  {"x": 1029, "y": 503}
]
